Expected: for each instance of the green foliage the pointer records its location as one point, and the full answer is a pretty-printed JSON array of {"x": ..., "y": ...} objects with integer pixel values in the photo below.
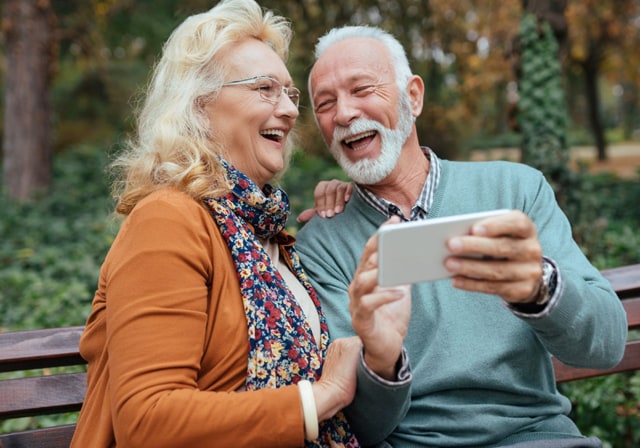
[
  {"x": 605, "y": 213},
  {"x": 52, "y": 246},
  {"x": 43, "y": 421},
  {"x": 607, "y": 407}
]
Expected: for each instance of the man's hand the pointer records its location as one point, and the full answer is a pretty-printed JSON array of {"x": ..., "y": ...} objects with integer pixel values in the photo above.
[
  {"x": 330, "y": 198},
  {"x": 511, "y": 262},
  {"x": 380, "y": 316}
]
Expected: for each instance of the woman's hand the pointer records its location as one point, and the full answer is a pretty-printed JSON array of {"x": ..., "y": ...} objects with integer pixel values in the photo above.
[
  {"x": 337, "y": 387},
  {"x": 330, "y": 198}
]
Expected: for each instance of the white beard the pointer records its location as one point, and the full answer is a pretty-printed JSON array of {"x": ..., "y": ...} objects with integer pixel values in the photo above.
[{"x": 372, "y": 171}]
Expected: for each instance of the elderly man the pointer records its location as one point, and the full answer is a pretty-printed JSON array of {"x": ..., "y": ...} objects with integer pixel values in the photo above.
[{"x": 480, "y": 343}]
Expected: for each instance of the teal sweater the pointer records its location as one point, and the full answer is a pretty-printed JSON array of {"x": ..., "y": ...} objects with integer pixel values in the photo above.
[{"x": 482, "y": 375}]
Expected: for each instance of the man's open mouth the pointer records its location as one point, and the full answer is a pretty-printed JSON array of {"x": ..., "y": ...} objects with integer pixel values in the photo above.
[{"x": 359, "y": 141}]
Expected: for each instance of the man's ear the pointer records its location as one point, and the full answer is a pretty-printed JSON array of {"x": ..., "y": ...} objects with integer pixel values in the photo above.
[{"x": 415, "y": 90}]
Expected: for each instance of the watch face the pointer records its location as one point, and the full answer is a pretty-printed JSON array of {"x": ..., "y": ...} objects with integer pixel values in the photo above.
[{"x": 547, "y": 284}]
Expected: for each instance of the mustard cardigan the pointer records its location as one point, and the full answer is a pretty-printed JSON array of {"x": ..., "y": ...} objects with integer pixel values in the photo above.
[{"x": 167, "y": 343}]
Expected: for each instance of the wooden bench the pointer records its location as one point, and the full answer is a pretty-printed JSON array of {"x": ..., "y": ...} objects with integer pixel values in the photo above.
[
  {"x": 44, "y": 393},
  {"x": 58, "y": 393}
]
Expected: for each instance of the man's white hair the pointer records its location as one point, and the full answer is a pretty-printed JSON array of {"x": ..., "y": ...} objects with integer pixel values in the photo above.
[{"x": 396, "y": 51}]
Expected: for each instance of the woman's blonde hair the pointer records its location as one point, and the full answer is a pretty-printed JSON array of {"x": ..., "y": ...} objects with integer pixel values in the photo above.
[{"x": 174, "y": 145}]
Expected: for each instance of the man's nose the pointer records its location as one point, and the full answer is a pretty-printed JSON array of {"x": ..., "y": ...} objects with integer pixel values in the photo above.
[{"x": 346, "y": 112}]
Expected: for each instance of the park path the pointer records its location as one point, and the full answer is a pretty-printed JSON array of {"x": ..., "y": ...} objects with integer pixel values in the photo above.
[{"x": 623, "y": 158}]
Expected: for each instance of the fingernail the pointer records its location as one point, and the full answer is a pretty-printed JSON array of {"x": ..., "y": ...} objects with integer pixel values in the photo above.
[
  {"x": 455, "y": 244},
  {"x": 452, "y": 265},
  {"x": 479, "y": 230}
]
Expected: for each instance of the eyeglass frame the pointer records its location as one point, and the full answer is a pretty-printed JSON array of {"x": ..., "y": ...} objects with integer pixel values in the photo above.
[{"x": 283, "y": 89}]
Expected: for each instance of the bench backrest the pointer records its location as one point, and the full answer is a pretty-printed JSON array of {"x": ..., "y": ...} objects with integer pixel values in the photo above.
[
  {"x": 45, "y": 393},
  {"x": 40, "y": 393}
]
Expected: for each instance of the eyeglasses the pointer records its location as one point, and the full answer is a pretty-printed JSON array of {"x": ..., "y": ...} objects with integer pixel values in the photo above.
[{"x": 270, "y": 89}]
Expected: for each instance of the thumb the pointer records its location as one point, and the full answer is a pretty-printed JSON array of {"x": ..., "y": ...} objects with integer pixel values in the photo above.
[{"x": 306, "y": 215}]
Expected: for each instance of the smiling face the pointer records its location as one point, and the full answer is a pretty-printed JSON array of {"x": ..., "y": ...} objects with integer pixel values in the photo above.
[
  {"x": 252, "y": 130},
  {"x": 360, "y": 133},
  {"x": 363, "y": 116}
]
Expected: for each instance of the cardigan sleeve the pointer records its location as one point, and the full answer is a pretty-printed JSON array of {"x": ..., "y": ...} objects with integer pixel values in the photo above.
[{"x": 160, "y": 276}]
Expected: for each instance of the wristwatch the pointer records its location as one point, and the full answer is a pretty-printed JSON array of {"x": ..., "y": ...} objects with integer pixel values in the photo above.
[{"x": 547, "y": 283}]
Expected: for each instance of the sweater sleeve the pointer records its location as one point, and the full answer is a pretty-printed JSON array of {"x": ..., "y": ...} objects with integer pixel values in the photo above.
[
  {"x": 587, "y": 326},
  {"x": 159, "y": 282}
]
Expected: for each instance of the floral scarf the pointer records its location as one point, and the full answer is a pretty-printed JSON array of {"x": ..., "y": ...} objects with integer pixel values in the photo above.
[{"x": 282, "y": 348}]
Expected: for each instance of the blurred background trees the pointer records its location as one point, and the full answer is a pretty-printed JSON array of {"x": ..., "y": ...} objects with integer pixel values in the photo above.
[
  {"x": 603, "y": 52},
  {"x": 101, "y": 52}
]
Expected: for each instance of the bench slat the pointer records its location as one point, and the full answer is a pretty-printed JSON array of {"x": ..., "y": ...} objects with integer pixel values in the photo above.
[
  {"x": 625, "y": 280},
  {"x": 35, "y": 349},
  {"x": 24, "y": 397},
  {"x": 632, "y": 307},
  {"x": 55, "y": 437},
  {"x": 631, "y": 361}
]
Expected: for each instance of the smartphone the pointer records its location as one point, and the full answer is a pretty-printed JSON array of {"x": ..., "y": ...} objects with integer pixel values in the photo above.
[{"x": 414, "y": 252}]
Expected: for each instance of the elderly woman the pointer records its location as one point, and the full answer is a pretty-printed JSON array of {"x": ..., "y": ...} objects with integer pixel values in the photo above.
[{"x": 204, "y": 330}]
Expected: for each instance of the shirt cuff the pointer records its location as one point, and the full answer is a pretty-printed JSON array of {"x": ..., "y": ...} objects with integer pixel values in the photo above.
[
  {"x": 554, "y": 288},
  {"x": 404, "y": 370}
]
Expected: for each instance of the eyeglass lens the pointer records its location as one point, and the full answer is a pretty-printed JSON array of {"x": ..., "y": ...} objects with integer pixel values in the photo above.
[{"x": 271, "y": 90}]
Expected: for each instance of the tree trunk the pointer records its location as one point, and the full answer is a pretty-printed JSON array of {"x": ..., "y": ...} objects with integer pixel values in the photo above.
[
  {"x": 28, "y": 27},
  {"x": 590, "y": 70}
]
